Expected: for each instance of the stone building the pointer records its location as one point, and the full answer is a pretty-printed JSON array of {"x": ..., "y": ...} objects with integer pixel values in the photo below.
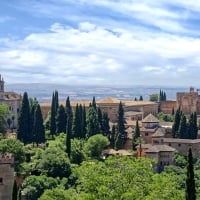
[
  {"x": 189, "y": 102},
  {"x": 12, "y": 100},
  {"x": 6, "y": 176},
  {"x": 149, "y": 126},
  {"x": 135, "y": 109}
]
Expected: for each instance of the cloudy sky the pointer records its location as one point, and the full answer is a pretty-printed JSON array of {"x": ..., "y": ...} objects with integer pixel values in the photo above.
[{"x": 100, "y": 42}]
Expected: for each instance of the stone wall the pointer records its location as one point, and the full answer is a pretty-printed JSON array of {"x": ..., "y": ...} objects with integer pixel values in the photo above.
[{"x": 6, "y": 176}]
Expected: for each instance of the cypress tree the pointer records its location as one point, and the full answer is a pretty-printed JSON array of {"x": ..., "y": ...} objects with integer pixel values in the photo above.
[
  {"x": 69, "y": 118},
  {"x": 105, "y": 124},
  {"x": 61, "y": 120},
  {"x": 39, "y": 132},
  {"x": 76, "y": 127},
  {"x": 33, "y": 105},
  {"x": 121, "y": 133},
  {"x": 176, "y": 123},
  {"x": 14, "y": 191},
  {"x": 141, "y": 98},
  {"x": 56, "y": 101},
  {"x": 92, "y": 122},
  {"x": 136, "y": 134},
  {"x": 83, "y": 123},
  {"x": 24, "y": 121},
  {"x": 182, "y": 131},
  {"x": 190, "y": 190},
  {"x": 112, "y": 137},
  {"x": 192, "y": 126},
  {"x": 53, "y": 117},
  {"x": 94, "y": 103},
  {"x": 100, "y": 119}
]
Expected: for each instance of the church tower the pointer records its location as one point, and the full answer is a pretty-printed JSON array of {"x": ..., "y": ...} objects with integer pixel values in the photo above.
[
  {"x": 1, "y": 84},
  {"x": 1, "y": 87}
]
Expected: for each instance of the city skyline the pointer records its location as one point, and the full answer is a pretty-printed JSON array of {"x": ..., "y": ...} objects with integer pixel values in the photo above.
[{"x": 100, "y": 42}]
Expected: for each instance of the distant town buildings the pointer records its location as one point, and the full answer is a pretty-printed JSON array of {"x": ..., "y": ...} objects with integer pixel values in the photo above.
[{"x": 12, "y": 100}]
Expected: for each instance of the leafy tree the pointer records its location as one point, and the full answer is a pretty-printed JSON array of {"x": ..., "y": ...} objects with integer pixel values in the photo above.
[
  {"x": 77, "y": 151},
  {"x": 24, "y": 121},
  {"x": 136, "y": 134},
  {"x": 154, "y": 97},
  {"x": 3, "y": 114},
  {"x": 54, "y": 163},
  {"x": 34, "y": 186},
  {"x": 190, "y": 190},
  {"x": 95, "y": 145},
  {"x": 92, "y": 122},
  {"x": 56, "y": 194},
  {"x": 38, "y": 127},
  {"x": 69, "y": 118},
  {"x": 61, "y": 120},
  {"x": 121, "y": 133},
  {"x": 125, "y": 178},
  {"x": 15, "y": 147}
]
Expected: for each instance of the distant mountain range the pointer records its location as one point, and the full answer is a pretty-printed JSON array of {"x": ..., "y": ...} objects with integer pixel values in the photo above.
[{"x": 43, "y": 92}]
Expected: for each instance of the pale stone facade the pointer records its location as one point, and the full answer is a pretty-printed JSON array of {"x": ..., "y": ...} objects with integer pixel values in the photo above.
[
  {"x": 6, "y": 176},
  {"x": 12, "y": 100}
]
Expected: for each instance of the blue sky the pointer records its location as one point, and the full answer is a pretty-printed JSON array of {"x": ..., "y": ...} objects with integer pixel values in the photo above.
[{"x": 100, "y": 42}]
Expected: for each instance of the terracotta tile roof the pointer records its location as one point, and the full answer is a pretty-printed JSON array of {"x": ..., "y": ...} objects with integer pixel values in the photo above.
[
  {"x": 109, "y": 100},
  {"x": 11, "y": 96},
  {"x": 160, "y": 132},
  {"x": 150, "y": 119},
  {"x": 136, "y": 103},
  {"x": 182, "y": 141},
  {"x": 160, "y": 148}
]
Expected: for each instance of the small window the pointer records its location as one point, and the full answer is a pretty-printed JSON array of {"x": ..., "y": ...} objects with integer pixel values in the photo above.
[
  {"x": 179, "y": 145},
  {"x": 1, "y": 180},
  {"x": 169, "y": 144},
  {"x": 146, "y": 134}
]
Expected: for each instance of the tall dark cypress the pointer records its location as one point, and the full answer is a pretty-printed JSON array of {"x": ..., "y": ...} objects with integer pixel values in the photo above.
[
  {"x": 192, "y": 126},
  {"x": 182, "y": 131},
  {"x": 39, "y": 132},
  {"x": 15, "y": 191},
  {"x": 69, "y": 118},
  {"x": 94, "y": 102},
  {"x": 112, "y": 137},
  {"x": 56, "y": 101},
  {"x": 176, "y": 123},
  {"x": 61, "y": 120},
  {"x": 100, "y": 119},
  {"x": 83, "y": 123},
  {"x": 76, "y": 127},
  {"x": 105, "y": 125},
  {"x": 92, "y": 122},
  {"x": 190, "y": 190},
  {"x": 33, "y": 105},
  {"x": 136, "y": 134},
  {"x": 121, "y": 137},
  {"x": 24, "y": 121},
  {"x": 53, "y": 117}
]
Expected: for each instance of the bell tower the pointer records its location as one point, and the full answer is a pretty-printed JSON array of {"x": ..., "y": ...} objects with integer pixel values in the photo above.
[{"x": 1, "y": 84}]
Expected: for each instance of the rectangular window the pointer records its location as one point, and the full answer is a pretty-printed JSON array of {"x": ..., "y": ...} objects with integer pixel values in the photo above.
[
  {"x": 146, "y": 134},
  {"x": 1, "y": 180}
]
